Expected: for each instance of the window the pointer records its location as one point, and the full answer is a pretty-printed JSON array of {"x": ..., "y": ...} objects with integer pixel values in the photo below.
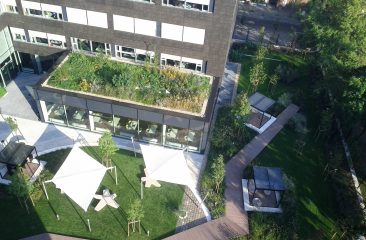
[
  {"x": 52, "y": 11},
  {"x": 198, "y": 5},
  {"x": 77, "y": 117},
  {"x": 171, "y": 31},
  {"x": 18, "y": 34},
  {"x": 97, "y": 19},
  {"x": 150, "y": 132},
  {"x": 102, "y": 121},
  {"x": 194, "y": 35},
  {"x": 122, "y": 23},
  {"x": 38, "y": 37},
  {"x": 56, "y": 113},
  {"x": 90, "y": 46},
  {"x": 75, "y": 15},
  {"x": 134, "y": 55},
  {"x": 56, "y": 40},
  {"x": 145, "y": 27},
  {"x": 9, "y": 6},
  {"x": 125, "y": 127},
  {"x": 32, "y": 8},
  {"x": 176, "y": 137},
  {"x": 181, "y": 62}
]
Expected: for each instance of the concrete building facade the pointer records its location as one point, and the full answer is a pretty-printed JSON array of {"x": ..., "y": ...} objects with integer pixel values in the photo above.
[{"x": 193, "y": 35}]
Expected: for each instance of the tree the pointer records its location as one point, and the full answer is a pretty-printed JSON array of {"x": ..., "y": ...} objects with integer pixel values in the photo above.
[
  {"x": 134, "y": 215},
  {"x": 339, "y": 30},
  {"x": 261, "y": 33},
  {"x": 218, "y": 172},
  {"x": 241, "y": 109},
  {"x": 108, "y": 147},
  {"x": 273, "y": 80},
  {"x": 21, "y": 188},
  {"x": 257, "y": 73},
  {"x": 13, "y": 126}
]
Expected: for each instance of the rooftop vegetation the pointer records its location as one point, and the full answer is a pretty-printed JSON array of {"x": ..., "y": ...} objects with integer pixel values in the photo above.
[{"x": 148, "y": 84}]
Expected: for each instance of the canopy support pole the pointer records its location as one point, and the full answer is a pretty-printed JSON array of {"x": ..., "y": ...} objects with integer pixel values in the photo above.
[
  {"x": 89, "y": 224},
  {"x": 45, "y": 189},
  {"x": 142, "y": 190},
  {"x": 115, "y": 173},
  {"x": 133, "y": 144}
]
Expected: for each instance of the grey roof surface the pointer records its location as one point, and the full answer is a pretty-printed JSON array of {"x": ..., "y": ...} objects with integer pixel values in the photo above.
[
  {"x": 15, "y": 153},
  {"x": 268, "y": 178},
  {"x": 260, "y": 102}
]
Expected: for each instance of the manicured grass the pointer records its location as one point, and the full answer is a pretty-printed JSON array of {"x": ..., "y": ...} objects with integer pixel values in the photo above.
[
  {"x": 315, "y": 204},
  {"x": 2, "y": 91},
  {"x": 148, "y": 84},
  {"x": 109, "y": 223},
  {"x": 316, "y": 209}
]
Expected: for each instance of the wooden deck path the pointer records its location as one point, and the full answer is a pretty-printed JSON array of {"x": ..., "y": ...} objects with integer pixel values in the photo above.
[{"x": 235, "y": 221}]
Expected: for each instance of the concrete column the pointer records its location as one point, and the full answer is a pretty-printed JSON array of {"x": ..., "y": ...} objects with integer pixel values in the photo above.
[
  {"x": 91, "y": 121},
  {"x": 42, "y": 109},
  {"x": 37, "y": 64}
]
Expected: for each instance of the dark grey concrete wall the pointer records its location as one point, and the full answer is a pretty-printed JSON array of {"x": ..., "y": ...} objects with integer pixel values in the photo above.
[{"x": 218, "y": 26}]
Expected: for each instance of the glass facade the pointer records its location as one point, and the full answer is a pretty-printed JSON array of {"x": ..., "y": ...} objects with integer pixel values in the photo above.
[
  {"x": 125, "y": 127},
  {"x": 77, "y": 117},
  {"x": 102, "y": 121},
  {"x": 150, "y": 132},
  {"x": 176, "y": 137},
  {"x": 56, "y": 113}
]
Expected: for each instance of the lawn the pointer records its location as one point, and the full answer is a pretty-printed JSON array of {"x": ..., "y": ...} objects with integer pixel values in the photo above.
[
  {"x": 2, "y": 91},
  {"x": 109, "y": 223},
  {"x": 148, "y": 84},
  {"x": 316, "y": 208}
]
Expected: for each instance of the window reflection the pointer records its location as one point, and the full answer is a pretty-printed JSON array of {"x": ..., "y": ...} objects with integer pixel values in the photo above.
[
  {"x": 102, "y": 121},
  {"x": 193, "y": 140},
  {"x": 150, "y": 131},
  {"x": 56, "y": 113},
  {"x": 77, "y": 117},
  {"x": 176, "y": 137},
  {"x": 126, "y": 127}
]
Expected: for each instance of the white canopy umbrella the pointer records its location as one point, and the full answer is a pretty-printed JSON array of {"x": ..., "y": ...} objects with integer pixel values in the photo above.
[
  {"x": 79, "y": 177},
  {"x": 166, "y": 165}
]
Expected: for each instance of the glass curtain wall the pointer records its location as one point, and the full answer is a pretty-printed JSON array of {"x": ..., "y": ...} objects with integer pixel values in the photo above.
[
  {"x": 77, "y": 117},
  {"x": 150, "y": 132},
  {"x": 56, "y": 113},
  {"x": 102, "y": 121},
  {"x": 176, "y": 137},
  {"x": 193, "y": 140},
  {"x": 126, "y": 127}
]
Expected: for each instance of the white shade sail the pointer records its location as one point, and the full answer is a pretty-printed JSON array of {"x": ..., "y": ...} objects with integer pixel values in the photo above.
[
  {"x": 166, "y": 165},
  {"x": 79, "y": 177}
]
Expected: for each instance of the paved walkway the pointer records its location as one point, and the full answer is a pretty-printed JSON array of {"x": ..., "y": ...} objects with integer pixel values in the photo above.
[
  {"x": 235, "y": 221},
  {"x": 20, "y": 92},
  {"x": 228, "y": 85}
]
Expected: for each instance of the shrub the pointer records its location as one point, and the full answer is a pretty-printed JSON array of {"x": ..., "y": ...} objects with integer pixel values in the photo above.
[
  {"x": 287, "y": 73},
  {"x": 298, "y": 123},
  {"x": 285, "y": 99}
]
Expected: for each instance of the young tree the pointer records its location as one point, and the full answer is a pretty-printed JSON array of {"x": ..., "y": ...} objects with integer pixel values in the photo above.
[
  {"x": 273, "y": 80},
  {"x": 218, "y": 172},
  {"x": 13, "y": 126},
  {"x": 134, "y": 215},
  {"x": 21, "y": 188},
  {"x": 108, "y": 147},
  {"x": 241, "y": 108},
  {"x": 257, "y": 73}
]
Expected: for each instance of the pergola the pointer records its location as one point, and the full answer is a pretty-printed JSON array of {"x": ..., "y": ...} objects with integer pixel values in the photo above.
[
  {"x": 261, "y": 103},
  {"x": 270, "y": 179},
  {"x": 16, "y": 154}
]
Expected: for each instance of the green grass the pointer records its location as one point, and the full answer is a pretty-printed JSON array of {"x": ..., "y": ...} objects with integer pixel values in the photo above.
[
  {"x": 313, "y": 194},
  {"x": 109, "y": 223},
  {"x": 148, "y": 84},
  {"x": 2, "y": 91},
  {"x": 316, "y": 206}
]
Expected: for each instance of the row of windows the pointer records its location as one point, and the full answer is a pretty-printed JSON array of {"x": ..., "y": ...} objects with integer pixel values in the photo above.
[
  {"x": 52, "y": 40},
  {"x": 126, "y": 127},
  {"x": 136, "y": 55},
  {"x": 121, "y": 23}
]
